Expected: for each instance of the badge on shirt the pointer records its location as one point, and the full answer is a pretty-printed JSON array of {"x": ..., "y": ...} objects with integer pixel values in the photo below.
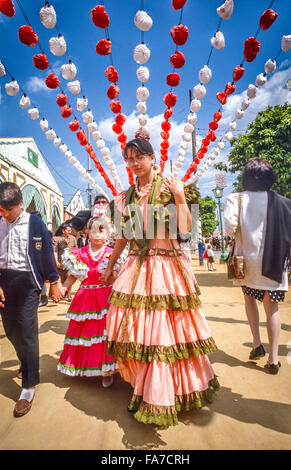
[{"x": 38, "y": 245}]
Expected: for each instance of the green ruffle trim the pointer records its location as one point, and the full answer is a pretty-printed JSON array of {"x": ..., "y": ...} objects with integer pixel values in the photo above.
[
  {"x": 155, "y": 302},
  {"x": 168, "y": 354},
  {"x": 167, "y": 415}
]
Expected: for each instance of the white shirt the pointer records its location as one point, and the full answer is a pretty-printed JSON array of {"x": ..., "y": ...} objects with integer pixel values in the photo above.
[
  {"x": 14, "y": 243},
  {"x": 250, "y": 243}
]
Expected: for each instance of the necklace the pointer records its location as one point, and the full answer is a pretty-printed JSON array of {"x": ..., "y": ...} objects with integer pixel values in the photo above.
[
  {"x": 145, "y": 190},
  {"x": 99, "y": 255}
]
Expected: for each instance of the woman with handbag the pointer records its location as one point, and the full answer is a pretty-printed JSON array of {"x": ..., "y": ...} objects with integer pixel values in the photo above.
[{"x": 261, "y": 222}]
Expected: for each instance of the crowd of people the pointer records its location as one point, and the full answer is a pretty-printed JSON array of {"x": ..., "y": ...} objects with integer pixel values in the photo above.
[{"x": 140, "y": 315}]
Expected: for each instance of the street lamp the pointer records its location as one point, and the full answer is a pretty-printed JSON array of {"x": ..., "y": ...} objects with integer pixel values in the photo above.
[{"x": 218, "y": 193}]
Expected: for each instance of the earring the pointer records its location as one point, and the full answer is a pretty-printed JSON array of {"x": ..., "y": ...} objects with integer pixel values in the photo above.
[{"x": 156, "y": 168}]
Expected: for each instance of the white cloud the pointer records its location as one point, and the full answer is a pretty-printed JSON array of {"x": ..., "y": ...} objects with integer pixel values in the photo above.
[{"x": 36, "y": 84}]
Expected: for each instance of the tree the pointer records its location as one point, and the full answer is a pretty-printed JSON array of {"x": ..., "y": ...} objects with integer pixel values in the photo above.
[
  {"x": 269, "y": 137},
  {"x": 208, "y": 216}
]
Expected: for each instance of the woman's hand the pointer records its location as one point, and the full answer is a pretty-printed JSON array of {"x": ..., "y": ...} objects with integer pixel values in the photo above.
[
  {"x": 174, "y": 185},
  {"x": 63, "y": 290},
  {"x": 107, "y": 277}
]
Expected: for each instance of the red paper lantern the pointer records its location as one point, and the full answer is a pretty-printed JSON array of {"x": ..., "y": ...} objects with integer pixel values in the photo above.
[
  {"x": 203, "y": 149},
  {"x": 111, "y": 74},
  {"x": 178, "y": 4},
  {"x": 197, "y": 160},
  {"x": 164, "y": 158},
  {"x": 27, "y": 36},
  {"x": 165, "y": 135},
  {"x": 66, "y": 111},
  {"x": 74, "y": 126},
  {"x": 99, "y": 17},
  {"x": 164, "y": 151},
  {"x": 229, "y": 89},
  {"x": 165, "y": 144},
  {"x": 52, "y": 81},
  {"x": 221, "y": 97},
  {"x": 168, "y": 113},
  {"x": 213, "y": 125},
  {"x": 112, "y": 92},
  {"x": 62, "y": 99},
  {"x": 173, "y": 79},
  {"x": 122, "y": 138},
  {"x": 7, "y": 8},
  {"x": 166, "y": 126},
  {"x": 103, "y": 47},
  {"x": 40, "y": 61},
  {"x": 177, "y": 60},
  {"x": 120, "y": 119},
  {"x": 267, "y": 19},
  {"x": 237, "y": 73},
  {"x": 170, "y": 99},
  {"x": 82, "y": 138},
  {"x": 89, "y": 148},
  {"x": 205, "y": 142},
  {"x": 179, "y": 34},
  {"x": 115, "y": 106},
  {"x": 217, "y": 116},
  {"x": 211, "y": 136},
  {"x": 116, "y": 128},
  {"x": 251, "y": 49}
]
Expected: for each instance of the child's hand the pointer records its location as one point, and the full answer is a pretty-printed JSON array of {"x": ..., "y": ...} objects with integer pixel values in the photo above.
[
  {"x": 63, "y": 290},
  {"x": 107, "y": 277}
]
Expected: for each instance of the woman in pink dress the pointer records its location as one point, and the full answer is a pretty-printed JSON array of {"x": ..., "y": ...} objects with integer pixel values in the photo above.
[
  {"x": 156, "y": 330},
  {"x": 84, "y": 352}
]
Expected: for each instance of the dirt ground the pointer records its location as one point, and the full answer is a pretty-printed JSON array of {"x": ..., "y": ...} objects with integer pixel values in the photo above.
[{"x": 252, "y": 409}]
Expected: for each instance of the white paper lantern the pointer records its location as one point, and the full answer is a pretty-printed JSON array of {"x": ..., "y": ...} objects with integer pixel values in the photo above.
[
  {"x": 43, "y": 124},
  {"x": 100, "y": 144},
  {"x": 252, "y": 91},
  {"x": 205, "y": 74},
  {"x": 245, "y": 103},
  {"x": 58, "y": 46},
  {"x": 92, "y": 126},
  {"x": 69, "y": 71},
  {"x": 184, "y": 145},
  {"x": 195, "y": 106},
  {"x": 143, "y": 119},
  {"x": 218, "y": 40},
  {"x": 225, "y": 10},
  {"x": 105, "y": 151},
  {"x": 141, "y": 107},
  {"x": 188, "y": 128},
  {"x": 221, "y": 145},
  {"x": 182, "y": 152},
  {"x": 143, "y": 74},
  {"x": 239, "y": 113},
  {"x": 50, "y": 134},
  {"x": 12, "y": 88},
  {"x": 143, "y": 21},
  {"x": 270, "y": 66},
  {"x": 187, "y": 137},
  {"x": 228, "y": 136},
  {"x": 199, "y": 91},
  {"x": 24, "y": 102},
  {"x": 199, "y": 173},
  {"x": 63, "y": 148},
  {"x": 68, "y": 154},
  {"x": 96, "y": 135},
  {"x": 192, "y": 118},
  {"x": 82, "y": 103},
  {"x": 33, "y": 113},
  {"x": 142, "y": 93},
  {"x": 57, "y": 141},
  {"x": 212, "y": 156},
  {"x": 74, "y": 87},
  {"x": 232, "y": 126},
  {"x": 2, "y": 70},
  {"x": 178, "y": 165},
  {"x": 77, "y": 165},
  {"x": 261, "y": 79},
  {"x": 82, "y": 171},
  {"x": 48, "y": 17},
  {"x": 73, "y": 159},
  {"x": 87, "y": 116},
  {"x": 286, "y": 43},
  {"x": 141, "y": 54},
  {"x": 181, "y": 159},
  {"x": 216, "y": 151}
]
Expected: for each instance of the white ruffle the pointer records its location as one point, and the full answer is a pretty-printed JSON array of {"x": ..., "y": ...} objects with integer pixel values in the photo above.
[
  {"x": 48, "y": 17},
  {"x": 88, "y": 373},
  {"x": 75, "y": 267},
  {"x": 84, "y": 342}
]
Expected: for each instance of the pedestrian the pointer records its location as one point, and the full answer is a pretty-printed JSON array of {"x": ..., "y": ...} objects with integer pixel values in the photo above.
[
  {"x": 156, "y": 330},
  {"x": 43, "y": 295},
  {"x": 63, "y": 239},
  {"x": 263, "y": 238},
  {"x": 83, "y": 239},
  {"x": 26, "y": 261},
  {"x": 84, "y": 352},
  {"x": 210, "y": 260}
]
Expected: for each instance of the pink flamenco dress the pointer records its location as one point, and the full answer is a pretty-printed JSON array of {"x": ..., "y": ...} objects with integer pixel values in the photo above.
[
  {"x": 84, "y": 352},
  {"x": 157, "y": 331}
]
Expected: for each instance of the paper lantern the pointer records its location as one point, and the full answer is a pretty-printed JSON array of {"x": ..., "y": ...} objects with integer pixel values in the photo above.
[
  {"x": 177, "y": 60},
  {"x": 7, "y": 8},
  {"x": 141, "y": 54},
  {"x": 66, "y": 111},
  {"x": 48, "y": 16},
  {"x": 165, "y": 135},
  {"x": 217, "y": 116},
  {"x": 52, "y": 81},
  {"x": 218, "y": 40},
  {"x": 229, "y": 136},
  {"x": 111, "y": 74},
  {"x": 82, "y": 103},
  {"x": 142, "y": 93},
  {"x": 221, "y": 97},
  {"x": 173, "y": 79},
  {"x": 27, "y": 36},
  {"x": 203, "y": 149},
  {"x": 211, "y": 136},
  {"x": 270, "y": 66},
  {"x": 245, "y": 103},
  {"x": 166, "y": 126},
  {"x": 229, "y": 89},
  {"x": 2, "y": 70},
  {"x": 168, "y": 113},
  {"x": 178, "y": 4},
  {"x": 232, "y": 126},
  {"x": 205, "y": 142},
  {"x": 122, "y": 138},
  {"x": 62, "y": 99},
  {"x": 143, "y": 21},
  {"x": 188, "y": 128},
  {"x": 43, "y": 124},
  {"x": 143, "y": 74},
  {"x": 74, "y": 125},
  {"x": 205, "y": 74},
  {"x": 33, "y": 113},
  {"x": 221, "y": 145},
  {"x": 99, "y": 17},
  {"x": 40, "y": 61},
  {"x": 57, "y": 141},
  {"x": 199, "y": 91},
  {"x": 69, "y": 71},
  {"x": 96, "y": 135},
  {"x": 267, "y": 19},
  {"x": 261, "y": 79},
  {"x": 115, "y": 106},
  {"x": 50, "y": 134},
  {"x": 213, "y": 125},
  {"x": 195, "y": 106},
  {"x": 92, "y": 126},
  {"x": 251, "y": 49},
  {"x": 113, "y": 91},
  {"x": 103, "y": 47},
  {"x": 179, "y": 34},
  {"x": 251, "y": 91},
  {"x": 142, "y": 133},
  {"x": 120, "y": 119},
  {"x": 237, "y": 73},
  {"x": 239, "y": 114},
  {"x": 58, "y": 46},
  {"x": 286, "y": 43},
  {"x": 82, "y": 138},
  {"x": 170, "y": 99},
  {"x": 165, "y": 144},
  {"x": 12, "y": 88},
  {"x": 192, "y": 118},
  {"x": 24, "y": 102},
  {"x": 74, "y": 87},
  {"x": 116, "y": 128},
  {"x": 225, "y": 11},
  {"x": 88, "y": 116}
]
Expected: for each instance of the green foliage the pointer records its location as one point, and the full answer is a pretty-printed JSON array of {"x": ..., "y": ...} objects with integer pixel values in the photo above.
[
  {"x": 269, "y": 137},
  {"x": 208, "y": 215}
]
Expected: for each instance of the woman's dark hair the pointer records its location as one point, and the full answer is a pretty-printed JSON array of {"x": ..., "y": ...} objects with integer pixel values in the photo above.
[
  {"x": 62, "y": 227},
  {"x": 258, "y": 175},
  {"x": 10, "y": 195},
  {"x": 142, "y": 145},
  {"x": 101, "y": 221}
]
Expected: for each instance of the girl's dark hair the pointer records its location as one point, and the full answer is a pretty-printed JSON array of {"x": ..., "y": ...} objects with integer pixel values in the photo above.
[
  {"x": 258, "y": 175},
  {"x": 142, "y": 145},
  {"x": 101, "y": 220},
  {"x": 10, "y": 195}
]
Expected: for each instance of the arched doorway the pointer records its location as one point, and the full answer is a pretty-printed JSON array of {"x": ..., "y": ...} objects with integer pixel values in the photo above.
[
  {"x": 32, "y": 201},
  {"x": 56, "y": 219}
]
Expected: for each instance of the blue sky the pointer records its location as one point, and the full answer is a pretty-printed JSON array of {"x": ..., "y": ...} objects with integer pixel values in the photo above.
[{"x": 74, "y": 22}]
